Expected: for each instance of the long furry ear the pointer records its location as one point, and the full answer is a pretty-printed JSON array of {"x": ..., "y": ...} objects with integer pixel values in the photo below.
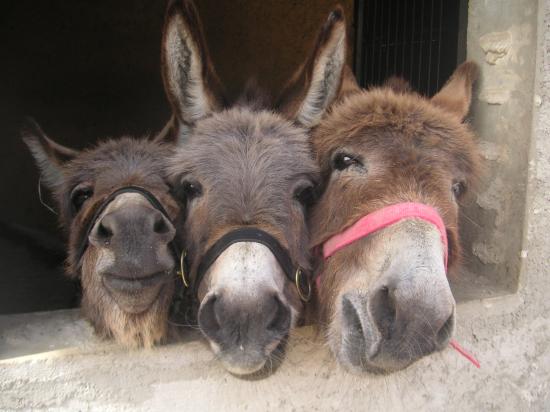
[
  {"x": 316, "y": 84},
  {"x": 456, "y": 95},
  {"x": 49, "y": 155},
  {"x": 190, "y": 81},
  {"x": 398, "y": 84},
  {"x": 168, "y": 134},
  {"x": 349, "y": 83}
]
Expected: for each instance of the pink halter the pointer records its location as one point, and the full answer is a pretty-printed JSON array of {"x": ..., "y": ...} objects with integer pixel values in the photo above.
[{"x": 387, "y": 216}]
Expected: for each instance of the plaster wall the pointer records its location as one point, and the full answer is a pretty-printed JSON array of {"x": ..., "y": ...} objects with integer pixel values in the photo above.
[{"x": 501, "y": 38}]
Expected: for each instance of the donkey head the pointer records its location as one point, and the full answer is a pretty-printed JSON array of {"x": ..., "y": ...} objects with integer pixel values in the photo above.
[
  {"x": 115, "y": 205},
  {"x": 385, "y": 297},
  {"x": 246, "y": 176}
]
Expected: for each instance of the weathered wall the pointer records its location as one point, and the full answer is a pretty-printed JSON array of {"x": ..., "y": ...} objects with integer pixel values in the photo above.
[{"x": 501, "y": 38}]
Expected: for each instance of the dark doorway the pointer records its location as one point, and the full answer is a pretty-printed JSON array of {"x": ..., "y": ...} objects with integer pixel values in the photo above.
[
  {"x": 87, "y": 71},
  {"x": 419, "y": 40}
]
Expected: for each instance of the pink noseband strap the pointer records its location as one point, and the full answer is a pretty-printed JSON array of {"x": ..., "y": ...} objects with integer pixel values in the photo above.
[
  {"x": 382, "y": 218},
  {"x": 387, "y": 216}
]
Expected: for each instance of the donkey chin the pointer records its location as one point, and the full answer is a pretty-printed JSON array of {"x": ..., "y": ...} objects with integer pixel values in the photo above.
[
  {"x": 131, "y": 309},
  {"x": 406, "y": 311}
]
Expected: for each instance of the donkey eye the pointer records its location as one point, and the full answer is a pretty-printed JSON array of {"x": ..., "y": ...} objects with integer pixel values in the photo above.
[
  {"x": 305, "y": 195},
  {"x": 458, "y": 189},
  {"x": 79, "y": 196},
  {"x": 187, "y": 190},
  {"x": 342, "y": 161}
]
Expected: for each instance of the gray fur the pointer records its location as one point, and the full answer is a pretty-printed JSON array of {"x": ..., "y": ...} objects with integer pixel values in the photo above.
[{"x": 248, "y": 164}]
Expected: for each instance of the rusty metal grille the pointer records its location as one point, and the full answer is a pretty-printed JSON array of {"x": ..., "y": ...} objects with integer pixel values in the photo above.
[{"x": 420, "y": 40}]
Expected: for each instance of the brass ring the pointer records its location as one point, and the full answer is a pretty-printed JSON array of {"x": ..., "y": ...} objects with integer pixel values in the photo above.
[
  {"x": 181, "y": 272},
  {"x": 297, "y": 276}
]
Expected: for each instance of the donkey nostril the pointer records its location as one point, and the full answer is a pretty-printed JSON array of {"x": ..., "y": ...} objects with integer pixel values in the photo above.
[
  {"x": 103, "y": 231},
  {"x": 208, "y": 318},
  {"x": 384, "y": 311},
  {"x": 280, "y": 323},
  {"x": 160, "y": 226},
  {"x": 352, "y": 320},
  {"x": 444, "y": 334}
]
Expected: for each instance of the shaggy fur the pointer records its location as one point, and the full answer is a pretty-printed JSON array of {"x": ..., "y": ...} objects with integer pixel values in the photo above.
[
  {"x": 413, "y": 149},
  {"x": 243, "y": 166},
  {"x": 249, "y": 165},
  {"x": 109, "y": 165}
]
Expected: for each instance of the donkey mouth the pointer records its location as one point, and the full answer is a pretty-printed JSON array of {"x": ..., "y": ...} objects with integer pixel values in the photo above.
[{"x": 132, "y": 284}]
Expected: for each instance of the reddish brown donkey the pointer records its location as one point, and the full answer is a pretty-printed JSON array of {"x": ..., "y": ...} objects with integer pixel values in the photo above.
[{"x": 395, "y": 167}]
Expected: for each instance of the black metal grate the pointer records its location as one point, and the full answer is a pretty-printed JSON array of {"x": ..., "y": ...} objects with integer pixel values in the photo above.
[{"x": 420, "y": 40}]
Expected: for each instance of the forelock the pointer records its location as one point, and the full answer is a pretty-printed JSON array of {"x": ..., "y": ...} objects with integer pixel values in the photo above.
[{"x": 240, "y": 135}]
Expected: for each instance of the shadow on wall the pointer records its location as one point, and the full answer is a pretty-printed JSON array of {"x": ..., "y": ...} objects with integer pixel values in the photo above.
[{"x": 90, "y": 70}]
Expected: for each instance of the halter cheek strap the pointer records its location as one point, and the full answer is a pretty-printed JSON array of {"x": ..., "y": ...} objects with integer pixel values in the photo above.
[
  {"x": 382, "y": 218},
  {"x": 293, "y": 272}
]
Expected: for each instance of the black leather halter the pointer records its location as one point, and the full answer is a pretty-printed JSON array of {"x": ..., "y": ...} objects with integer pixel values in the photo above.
[
  {"x": 293, "y": 272},
  {"x": 174, "y": 247}
]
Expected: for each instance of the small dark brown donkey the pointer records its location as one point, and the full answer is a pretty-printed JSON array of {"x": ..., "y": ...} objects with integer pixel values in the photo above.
[
  {"x": 395, "y": 166},
  {"x": 115, "y": 206},
  {"x": 246, "y": 176}
]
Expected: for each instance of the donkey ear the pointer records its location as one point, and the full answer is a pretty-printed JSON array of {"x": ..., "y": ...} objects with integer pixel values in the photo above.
[
  {"x": 349, "y": 83},
  {"x": 190, "y": 81},
  {"x": 168, "y": 134},
  {"x": 49, "y": 155},
  {"x": 316, "y": 84},
  {"x": 456, "y": 95},
  {"x": 398, "y": 84}
]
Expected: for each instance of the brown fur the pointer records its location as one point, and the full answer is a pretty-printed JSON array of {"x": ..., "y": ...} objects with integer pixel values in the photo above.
[
  {"x": 414, "y": 149},
  {"x": 109, "y": 165}
]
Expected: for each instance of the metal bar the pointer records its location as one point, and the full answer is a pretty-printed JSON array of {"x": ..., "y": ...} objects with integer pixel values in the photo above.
[
  {"x": 379, "y": 72},
  {"x": 430, "y": 47},
  {"x": 412, "y": 40},
  {"x": 388, "y": 41},
  {"x": 359, "y": 63},
  {"x": 403, "y": 40},
  {"x": 441, "y": 3},
  {"x": 373, "y": 60},
  {"x": 421, "y": 47},
  {"x": 396, "y": 42}
]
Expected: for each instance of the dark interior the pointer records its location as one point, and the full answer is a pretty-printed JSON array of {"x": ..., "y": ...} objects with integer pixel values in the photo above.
[
  {"x": 419, "y": 40},
  {"x": 86, "y": 71}
]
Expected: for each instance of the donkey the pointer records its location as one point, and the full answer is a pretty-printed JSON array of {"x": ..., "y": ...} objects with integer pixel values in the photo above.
[
  {"x": 394, "y": 167},
  {"x": 114, "y": 203},
  {"x": 246, "y": 177}
]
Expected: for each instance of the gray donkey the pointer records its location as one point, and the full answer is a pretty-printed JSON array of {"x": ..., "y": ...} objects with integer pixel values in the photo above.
[
  {"x": 117, "y": 211},
  {"x": 245, "y": 176}
]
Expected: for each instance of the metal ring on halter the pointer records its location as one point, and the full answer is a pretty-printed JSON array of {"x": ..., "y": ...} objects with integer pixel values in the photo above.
[
  {"x": 298, "y": 276},
  {"x": 181, "y": 272}
]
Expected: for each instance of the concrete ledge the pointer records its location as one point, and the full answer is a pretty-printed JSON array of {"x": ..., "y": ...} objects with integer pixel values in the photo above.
[{"x": 52, "y": 361}]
